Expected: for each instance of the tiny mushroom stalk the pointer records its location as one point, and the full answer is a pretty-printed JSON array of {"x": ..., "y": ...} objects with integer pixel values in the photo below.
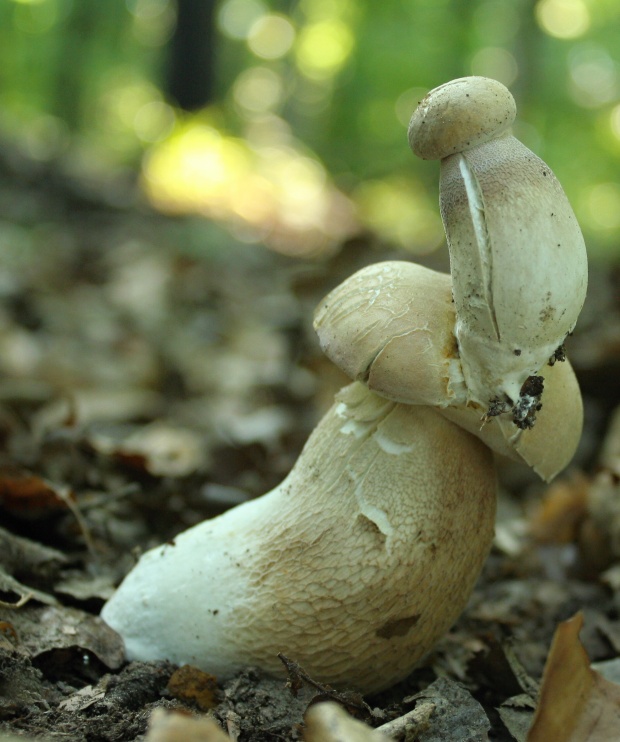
[{"x": 368, "y": 551}]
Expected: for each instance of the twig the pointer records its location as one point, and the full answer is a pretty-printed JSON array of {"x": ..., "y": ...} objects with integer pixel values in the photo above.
[
  {"x": 297, "y": 676},
  {"x": 408, "y": 727}
]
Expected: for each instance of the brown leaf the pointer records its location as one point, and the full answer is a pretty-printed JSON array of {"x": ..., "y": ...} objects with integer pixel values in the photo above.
[
  {"x": 192, "y": 685},
  {"x": 559, "y": 516},
  {"x": 576, "y": 704},
  {"x": 26, "y": 495}
]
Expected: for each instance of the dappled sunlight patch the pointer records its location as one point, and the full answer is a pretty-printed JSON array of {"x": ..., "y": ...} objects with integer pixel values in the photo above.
[
  {"x": 263, "y": 191},
  {"x": 563, "y": 19},
  {"x": 323, "y": 48},
  {"x": 399, "y": 210}
]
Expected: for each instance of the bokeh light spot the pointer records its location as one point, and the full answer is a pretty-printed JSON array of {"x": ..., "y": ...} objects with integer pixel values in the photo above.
[
  {"x": 147, "y": 8},
  {"x": 563, "y": 19},
  {"x": 602, "y": 206},
  {"x": 257, "y": 90},
  {"x": 497, "y": 63},
  {"x": 399, "y": 211},
  {"x": 614, "y": 121},
  {"x": 154, "y": 121},
  {"x": 236, "y": 17},
  {"x": 407, "y": 102},
  {"x": 323, "y": 48},
  {"x": 593, "y": 76},
  {"x": 271, "y": 36},
  {"x": 36, "y": 18}
]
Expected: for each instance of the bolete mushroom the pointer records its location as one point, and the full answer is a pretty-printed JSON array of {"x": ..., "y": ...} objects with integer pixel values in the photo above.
[{"x": 368, "y": 551}]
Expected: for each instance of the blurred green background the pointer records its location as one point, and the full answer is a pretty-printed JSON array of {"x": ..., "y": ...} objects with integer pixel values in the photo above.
[{"x": 301, "y": 140}]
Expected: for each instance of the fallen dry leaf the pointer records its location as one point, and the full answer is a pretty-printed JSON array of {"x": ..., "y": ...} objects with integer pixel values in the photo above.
[
  {"x": 559, "y": 516},
  {"x": 576, "y": 704},
  {"x": 329, "y": 722},
  {"x": 176, "y": 727},
  {"x": 26, "y": 495}
]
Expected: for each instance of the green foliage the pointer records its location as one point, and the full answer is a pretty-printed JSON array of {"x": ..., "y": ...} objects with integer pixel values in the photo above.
[{"x": 338, "y": 77}]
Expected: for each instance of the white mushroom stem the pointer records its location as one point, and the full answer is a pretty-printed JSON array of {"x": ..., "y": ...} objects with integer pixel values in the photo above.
[
  {"x": 517, "y": 256},
  {"x": 354, "y": 566}
]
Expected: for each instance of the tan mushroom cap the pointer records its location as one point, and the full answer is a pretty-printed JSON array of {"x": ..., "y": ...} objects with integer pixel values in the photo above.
[
  {"x": 391, "y": 325},
  {"x": 460, "y": 115},
  {"x": 550, "y": 445}
]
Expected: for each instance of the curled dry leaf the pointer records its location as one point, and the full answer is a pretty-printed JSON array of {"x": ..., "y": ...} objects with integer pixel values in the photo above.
[
  {"x": 175, "y": 727},
  {"x": 24, "y": 494},
  {"x": 329, "y": 722},
  {"x": 576, "y": 703}
]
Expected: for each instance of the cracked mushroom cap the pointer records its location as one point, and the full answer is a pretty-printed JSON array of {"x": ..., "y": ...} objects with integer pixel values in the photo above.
[{"x": 391, "y": 325}]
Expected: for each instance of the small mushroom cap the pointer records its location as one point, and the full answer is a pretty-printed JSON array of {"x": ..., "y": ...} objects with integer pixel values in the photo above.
[
  {"x": 460, "y": 115},
  {"x": 391, "y": 325}
]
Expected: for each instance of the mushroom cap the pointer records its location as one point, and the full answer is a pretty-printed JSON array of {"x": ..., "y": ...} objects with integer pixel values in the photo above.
[
  {"x": 354, "y": 566},
  {"x": 392, "y": 326},
  {"x": 460, "y": 115},
  {"x": 550, "y": 445}
]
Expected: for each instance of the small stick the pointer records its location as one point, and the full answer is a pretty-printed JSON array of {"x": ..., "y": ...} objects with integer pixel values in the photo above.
[{"x": 408, "y": 727}]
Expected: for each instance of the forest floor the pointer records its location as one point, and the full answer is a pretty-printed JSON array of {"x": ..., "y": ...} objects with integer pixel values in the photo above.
[{"x": 155, "y": 372}]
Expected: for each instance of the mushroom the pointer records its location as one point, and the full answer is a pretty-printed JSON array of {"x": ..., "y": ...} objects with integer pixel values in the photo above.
[
  {"x": 405, "y": 349},
  {"x": 368, "y": 551},
  {"x": 517, "y": 257}
]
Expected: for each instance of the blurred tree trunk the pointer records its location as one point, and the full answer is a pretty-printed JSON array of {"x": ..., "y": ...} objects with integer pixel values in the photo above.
[{"x": 191, "y": 61}]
